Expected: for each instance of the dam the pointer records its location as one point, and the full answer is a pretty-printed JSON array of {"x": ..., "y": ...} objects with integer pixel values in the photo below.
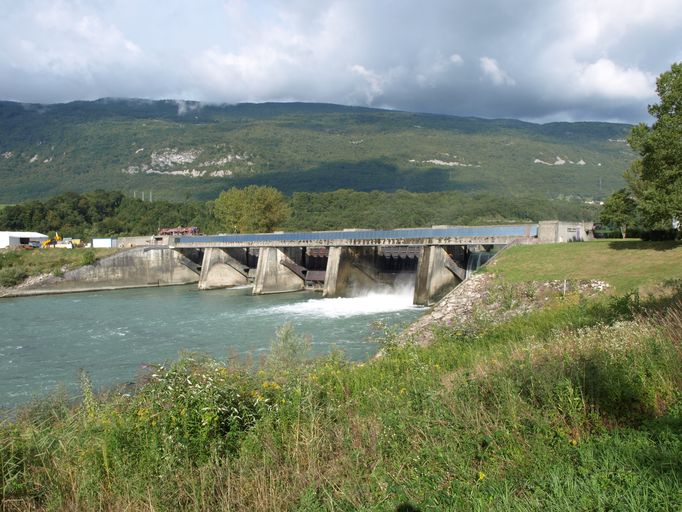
[
  {"x": 338, "y": 262},
  {"x": 430, "y": 261}
]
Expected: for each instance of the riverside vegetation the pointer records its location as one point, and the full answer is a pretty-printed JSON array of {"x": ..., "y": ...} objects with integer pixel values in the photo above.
[
  {"x": 17, "y": 265},
  {"x": 575, "y": 406}
]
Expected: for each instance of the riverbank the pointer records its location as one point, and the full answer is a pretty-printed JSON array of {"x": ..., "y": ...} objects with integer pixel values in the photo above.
[
  {"x": 562, "y": 407},
  {"x": 21, "y": 269},
  {"x": 90, "y": 270}
]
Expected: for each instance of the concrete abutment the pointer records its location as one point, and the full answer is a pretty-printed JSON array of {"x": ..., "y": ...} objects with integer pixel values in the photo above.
[
  {"x": 437, "y": 273},
  {"x": 222, "y": 268},
  {"x": 274, "y": 277}
]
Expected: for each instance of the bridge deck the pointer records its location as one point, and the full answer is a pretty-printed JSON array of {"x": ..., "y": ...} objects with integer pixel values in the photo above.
[{"x": 451, "y": 235}]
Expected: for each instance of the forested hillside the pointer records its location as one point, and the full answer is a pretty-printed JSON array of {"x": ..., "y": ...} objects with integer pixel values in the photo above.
[{"x": 183, "y": 150}]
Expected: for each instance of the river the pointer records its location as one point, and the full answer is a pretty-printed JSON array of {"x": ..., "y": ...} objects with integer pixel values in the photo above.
[{"x": 46, "y": 340}]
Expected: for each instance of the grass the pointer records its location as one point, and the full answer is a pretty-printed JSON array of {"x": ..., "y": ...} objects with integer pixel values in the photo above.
[
  {"x": 573, "y": 407},
  {"x": 16, "y": 264},
  {"x": 624, "y": 264}
]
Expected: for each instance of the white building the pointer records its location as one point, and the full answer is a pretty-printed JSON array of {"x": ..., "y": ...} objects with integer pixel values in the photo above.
[
  {"x": 14, "y": 238},
  {"x": 104, "y": 243}
]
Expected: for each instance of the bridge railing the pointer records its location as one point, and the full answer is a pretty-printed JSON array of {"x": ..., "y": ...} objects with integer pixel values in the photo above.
[{"x": 519, "y": 230}]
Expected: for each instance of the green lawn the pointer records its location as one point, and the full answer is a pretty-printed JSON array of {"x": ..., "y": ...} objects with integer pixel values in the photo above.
[{"x": 624, "y": 264}]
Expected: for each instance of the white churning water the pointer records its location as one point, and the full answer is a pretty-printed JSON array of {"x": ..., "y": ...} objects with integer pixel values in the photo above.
[{"x": 369, "y": 304}]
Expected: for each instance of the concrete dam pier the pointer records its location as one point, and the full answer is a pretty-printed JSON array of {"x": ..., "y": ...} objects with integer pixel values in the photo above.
[{"x": 340, "y": 262}]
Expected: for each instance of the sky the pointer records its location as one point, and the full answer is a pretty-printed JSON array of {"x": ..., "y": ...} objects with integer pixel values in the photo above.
[{"x": 537, "y": 60}]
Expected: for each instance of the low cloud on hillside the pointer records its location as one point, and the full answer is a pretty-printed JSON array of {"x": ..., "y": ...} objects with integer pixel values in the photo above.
[{"x": 564, "y": 60}]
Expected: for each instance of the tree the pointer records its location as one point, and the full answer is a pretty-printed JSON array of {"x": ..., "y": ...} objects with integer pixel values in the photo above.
[
  {"x": 253, "y": 209},
  {"x": 656, "y": 178},
  {"x": 620, "y": 209}
]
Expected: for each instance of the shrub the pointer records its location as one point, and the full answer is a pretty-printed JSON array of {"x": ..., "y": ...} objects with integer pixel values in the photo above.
[
  {"x": 12, "y": 276},
  {"x": 88, "y": 257},
  {"x": 289, "y": 351},
  {"x": 9, "y": 259},
  {"x": 196, "y": 407},
  {"x": 658, "y": 235}
]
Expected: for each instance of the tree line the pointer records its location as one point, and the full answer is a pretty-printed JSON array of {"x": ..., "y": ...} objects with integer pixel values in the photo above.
[
  {"x": 653, "y": 199},
  {"x": 264, "y": 209}
]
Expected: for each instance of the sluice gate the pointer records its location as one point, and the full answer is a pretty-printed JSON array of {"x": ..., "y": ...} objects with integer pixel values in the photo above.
[{"x": 340, "y": 263}]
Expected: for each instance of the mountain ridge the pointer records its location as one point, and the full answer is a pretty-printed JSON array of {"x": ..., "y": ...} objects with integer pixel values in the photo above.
[{"x": 189, "y": 149}]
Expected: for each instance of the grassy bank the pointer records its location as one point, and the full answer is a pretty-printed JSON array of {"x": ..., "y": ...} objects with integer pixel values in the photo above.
[
  {"x": 574, "y": 407},
  {"x": 17, "y": 264},
  {"x": 624, "y": 264}
]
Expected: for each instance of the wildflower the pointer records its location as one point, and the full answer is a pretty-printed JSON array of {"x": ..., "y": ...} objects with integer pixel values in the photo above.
[
  {"x": 481, "y": 476},
  {"x": 573, "y": 442}
]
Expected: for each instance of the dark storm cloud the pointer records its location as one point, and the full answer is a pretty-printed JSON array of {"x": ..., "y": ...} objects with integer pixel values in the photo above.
[{"x": 532, "y": 59}]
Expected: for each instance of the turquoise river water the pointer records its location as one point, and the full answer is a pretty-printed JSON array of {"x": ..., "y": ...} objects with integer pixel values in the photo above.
[{"x": 46, "y": 340}]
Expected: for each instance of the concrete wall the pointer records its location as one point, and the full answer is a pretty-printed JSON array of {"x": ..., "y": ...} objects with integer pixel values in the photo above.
[
  {"x": 128, "y": 269},
  {"x": 554, "y": 231},
  {"x": 142, "y": 241},
  {"x": 219, "y": 269},
  {"x": 433, "y": 277},
  {"x": 271, "y": 276}
]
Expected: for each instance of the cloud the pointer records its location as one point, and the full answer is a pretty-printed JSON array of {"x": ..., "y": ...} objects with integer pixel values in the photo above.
[
  {"x": 456, "y": 59},
  {"x": 71, "y": 43},
  {"x": 569, "y": 59},
  {"x": 373, "y": 83},
  {"x": 607, "y": 79},
  {"x": 493, "y": 71}
]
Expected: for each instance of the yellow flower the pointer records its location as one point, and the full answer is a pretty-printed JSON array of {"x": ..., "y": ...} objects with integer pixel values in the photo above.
[
  {"x": 481, "y": 476},
  {"x": 573, "y": 442}
]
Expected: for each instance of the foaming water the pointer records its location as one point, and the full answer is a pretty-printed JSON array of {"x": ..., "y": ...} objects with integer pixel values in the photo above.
[{"x": 371, "y": 304}]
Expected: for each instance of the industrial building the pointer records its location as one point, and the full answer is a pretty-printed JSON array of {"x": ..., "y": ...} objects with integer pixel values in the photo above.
[{"x": 15, "y": 238}]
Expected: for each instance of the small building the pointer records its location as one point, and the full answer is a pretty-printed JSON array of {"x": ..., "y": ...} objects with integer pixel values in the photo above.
[
  {"x": 104, "y": 243},
  {"x": 15, "y": 238}
]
